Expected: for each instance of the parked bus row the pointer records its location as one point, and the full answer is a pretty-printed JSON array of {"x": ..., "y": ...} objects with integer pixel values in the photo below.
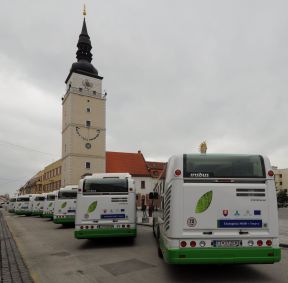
[
  {"x": 214, "y": 209},
  {"x": 102, "y": 205}
]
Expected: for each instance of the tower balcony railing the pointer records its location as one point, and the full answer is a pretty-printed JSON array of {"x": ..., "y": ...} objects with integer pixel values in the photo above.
[{"x": 86, "y": 92}]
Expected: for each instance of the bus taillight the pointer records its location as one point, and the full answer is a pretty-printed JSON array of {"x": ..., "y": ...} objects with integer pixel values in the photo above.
[
  {"x": 192, "y": 244},
  {"x": 177, "y": 172},
  {"x": 270, "y": 173},
  {"x": 259, "y": 243},
  {"x": 269, "y": 243},
  {"x": 183, "y": 244}
]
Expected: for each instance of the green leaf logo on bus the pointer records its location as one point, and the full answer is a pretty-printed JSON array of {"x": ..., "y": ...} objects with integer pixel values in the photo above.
[
  {"x": 63, "y": 204},
  {"x": 50, "y": 204},
  {"x": 204, "y": 202},
  {"x": 92, "y": 207}
]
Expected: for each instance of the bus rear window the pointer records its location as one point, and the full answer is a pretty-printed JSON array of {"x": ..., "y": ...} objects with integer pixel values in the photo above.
[
  {"x": 67, "y": 195},
  {"x": 23, "y": 199},
  {"x": 39, "y": 198},
  {"x": 52, "y": 197},
  {"x": 107, "y": 185},
  {"x": 223, "y": 166}
]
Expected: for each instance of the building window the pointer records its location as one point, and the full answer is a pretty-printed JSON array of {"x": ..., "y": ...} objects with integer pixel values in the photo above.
[
  {"x": 280, "y": 183},
  {"x": 88, "y": 123},
  {"x": 142, "y": 184},
  {"x": 88, "y": 109},
  {"x": 280, "y": 175},
  {"x": 88, "y": 165}
]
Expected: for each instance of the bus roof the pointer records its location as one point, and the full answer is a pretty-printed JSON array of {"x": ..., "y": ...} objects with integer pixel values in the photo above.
[{"x": 109, "y": 175}]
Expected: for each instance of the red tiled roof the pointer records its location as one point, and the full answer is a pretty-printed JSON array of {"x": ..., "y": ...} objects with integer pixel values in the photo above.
[{"x": 124, "y": 162}]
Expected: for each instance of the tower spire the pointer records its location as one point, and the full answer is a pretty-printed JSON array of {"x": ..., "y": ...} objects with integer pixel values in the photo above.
[
  {"x": 84, "y": 10},
  {"x": 83, "y": 54}
]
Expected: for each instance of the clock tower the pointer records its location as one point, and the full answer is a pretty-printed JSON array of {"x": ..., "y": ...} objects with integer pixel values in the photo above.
[{"x": 83, "y": 117}]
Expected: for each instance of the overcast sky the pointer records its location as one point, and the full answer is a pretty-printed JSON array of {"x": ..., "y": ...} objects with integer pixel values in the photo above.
[{"x": 176, "y": 73}]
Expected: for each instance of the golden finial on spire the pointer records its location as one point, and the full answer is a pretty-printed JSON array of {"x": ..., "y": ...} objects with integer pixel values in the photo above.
[
  {"x": 84, "y": 10},
  {"x": 203, "y": 147}
]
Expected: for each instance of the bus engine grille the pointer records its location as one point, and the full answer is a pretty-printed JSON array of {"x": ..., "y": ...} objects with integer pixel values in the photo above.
[
  {"x": 250, "y": 193},
  {"x": 167, "y": 209},
  {"x": 119, "y": 199}
]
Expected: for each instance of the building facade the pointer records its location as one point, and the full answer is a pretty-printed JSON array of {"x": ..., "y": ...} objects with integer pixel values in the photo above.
[
  {"x": 281, "y": 178},
  {"x": 51, "y": 178}
]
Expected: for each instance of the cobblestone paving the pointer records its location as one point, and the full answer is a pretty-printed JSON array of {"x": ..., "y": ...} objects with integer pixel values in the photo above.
[{"x": 12, "y": 267}]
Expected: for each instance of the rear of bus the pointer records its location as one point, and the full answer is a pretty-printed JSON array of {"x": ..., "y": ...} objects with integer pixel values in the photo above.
[
  {"x": 65, "y": 206},
  {"x": 18, "y": 205},
  {"x": 219, "y": 209},
  {"x": 23, "y": 205},
  {"x": 11, "y": 206},
  {"x": 106, "y": 206},
  {"x": 48, "y": 209},
  {"x": 38, "y": 205}
]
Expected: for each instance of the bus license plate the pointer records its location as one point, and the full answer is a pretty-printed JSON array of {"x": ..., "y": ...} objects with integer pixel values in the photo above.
[
  {"x": 227, "y": 243},
  {"x": 106, "y": 226}
]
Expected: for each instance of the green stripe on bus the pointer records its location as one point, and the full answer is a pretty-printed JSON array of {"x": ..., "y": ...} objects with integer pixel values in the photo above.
[
  {"x": 64, "y": 220},
  {"x": 37, "y": 213},
  {"x": 221, "y": 255},
  {"x": 101, "y": 233}
]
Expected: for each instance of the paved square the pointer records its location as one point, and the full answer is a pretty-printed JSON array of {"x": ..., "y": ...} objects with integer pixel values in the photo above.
[{"x": 126, "y": 266}]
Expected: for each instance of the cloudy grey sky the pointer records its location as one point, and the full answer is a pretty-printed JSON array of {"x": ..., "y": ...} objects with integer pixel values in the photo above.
[{"x": 176, "y": 73}]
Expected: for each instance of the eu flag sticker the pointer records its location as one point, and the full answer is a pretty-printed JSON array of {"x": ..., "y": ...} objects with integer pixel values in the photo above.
[{"x": 257, "y": 212}]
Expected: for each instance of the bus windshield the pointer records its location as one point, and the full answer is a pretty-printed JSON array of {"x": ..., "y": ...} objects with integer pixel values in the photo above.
[
  {"x": 67, "y": 195},
  {"x": 106, "y": 185},
  {"x": 51, "y": 197},
  {"x": 223, "y": 166}
]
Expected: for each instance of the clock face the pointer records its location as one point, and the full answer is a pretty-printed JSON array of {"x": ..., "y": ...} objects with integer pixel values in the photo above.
[
  {"x": 87, "y": 84},
  {"x": 88, "y": 145}
]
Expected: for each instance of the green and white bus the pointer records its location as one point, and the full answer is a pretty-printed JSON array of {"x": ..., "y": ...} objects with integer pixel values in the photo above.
[
  {"x": 37, "y": 204},
  {"x": 65, "y": 206},
  {"x": 217, "y": 208},
  {"x": 11, "y": 205},
  {"x": 106, "y": 206},
  {"x": 48, "y": 209},
  {"x": 22, "y": 205}
]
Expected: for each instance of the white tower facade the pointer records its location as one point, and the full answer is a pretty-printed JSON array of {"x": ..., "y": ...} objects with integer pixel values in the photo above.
[{"x": 83, "y": 117}]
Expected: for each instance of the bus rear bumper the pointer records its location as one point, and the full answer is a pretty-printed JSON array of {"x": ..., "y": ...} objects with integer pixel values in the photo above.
[
  {"x": 36, "y": 213},
  {"x": 221, "y": 255},
  {"x": 48, "y": 215},
  {"x": 103, "y": 233},
  {"x": 64, "y": 219}
]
